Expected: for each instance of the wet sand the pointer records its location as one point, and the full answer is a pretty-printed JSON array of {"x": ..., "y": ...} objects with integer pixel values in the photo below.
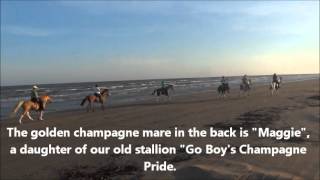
[{"x": 296, "y": 105}]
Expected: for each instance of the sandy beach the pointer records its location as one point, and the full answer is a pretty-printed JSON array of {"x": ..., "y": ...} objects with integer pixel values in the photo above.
[{"x": 296, "y": 105}]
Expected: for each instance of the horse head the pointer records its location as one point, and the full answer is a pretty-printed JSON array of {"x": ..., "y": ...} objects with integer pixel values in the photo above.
[
  {"x": 46, "y": 99},
  {"x": 170, "y": 86},
  {"x": 105, "y": 92}
]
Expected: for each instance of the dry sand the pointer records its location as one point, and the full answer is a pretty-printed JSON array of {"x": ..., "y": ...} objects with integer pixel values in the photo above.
[{"x": 296, "y": 105}]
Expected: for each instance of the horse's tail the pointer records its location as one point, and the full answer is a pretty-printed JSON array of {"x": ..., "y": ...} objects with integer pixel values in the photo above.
[
  {"x": 17, "y": 107},
  {"x": 83, "y": 101}
]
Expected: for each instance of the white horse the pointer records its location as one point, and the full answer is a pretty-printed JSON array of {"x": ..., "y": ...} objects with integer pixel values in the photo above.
[
  {"x": 274, "y": 86},
  {"x": 245, "y": 88}
]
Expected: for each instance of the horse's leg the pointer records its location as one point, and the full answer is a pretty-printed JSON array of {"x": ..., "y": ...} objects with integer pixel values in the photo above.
[
  {"x": 41, "y": 115},
  {"x": 28, "y": 115},
  {"x": 102, "y": 106},
  {"x": 88, "y": 106},
  {"x": 272, "y": 89},
  {"x": 21, "y": 117}
]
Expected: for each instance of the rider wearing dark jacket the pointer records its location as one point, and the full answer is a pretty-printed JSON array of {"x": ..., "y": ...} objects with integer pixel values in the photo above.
[
  {"x": 223, "y": 80},
  {"x": 35, "y": 97},
  {"x": 275, "y": 79}
]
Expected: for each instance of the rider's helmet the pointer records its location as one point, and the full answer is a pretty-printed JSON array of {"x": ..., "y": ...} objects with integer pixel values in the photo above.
[
  {"x": 96, "y": 85},
  {"x": 35, "y": 87}
]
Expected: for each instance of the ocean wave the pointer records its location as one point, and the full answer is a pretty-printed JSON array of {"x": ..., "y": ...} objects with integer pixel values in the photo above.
[
  {"x": 22, "y": 90},
  {"x": 73, "y": 89},
  {"x": 69, "y": 95},
  {"x": 116, "y": 87}
]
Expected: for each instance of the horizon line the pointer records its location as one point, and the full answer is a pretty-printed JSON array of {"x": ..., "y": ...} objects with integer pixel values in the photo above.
[{"x": 99, "y": 81}]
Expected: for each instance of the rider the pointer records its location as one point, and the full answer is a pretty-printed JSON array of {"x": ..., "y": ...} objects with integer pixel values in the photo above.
[
  {"x": 36, "y": 99},
  {"x": 163, "y": 84},
  {"x": 224, "y": 81},
  {"x": 245, "y": 80},
  {"x": 275, "y": 79},
  {"x": 97, "y": 92}
]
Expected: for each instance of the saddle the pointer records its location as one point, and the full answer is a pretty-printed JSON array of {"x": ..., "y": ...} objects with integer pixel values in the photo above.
[
  {"x": 99, "y": 97},
  {"x": 39, "y": 102},
  {"x": 225, "y": 85}
]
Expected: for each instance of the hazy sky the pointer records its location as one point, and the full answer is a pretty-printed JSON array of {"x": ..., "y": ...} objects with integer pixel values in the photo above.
[{"x": 72, "y": 41}]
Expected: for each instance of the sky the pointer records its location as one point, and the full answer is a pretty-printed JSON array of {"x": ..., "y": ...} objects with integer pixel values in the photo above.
[{"x": 81, "y": 41}]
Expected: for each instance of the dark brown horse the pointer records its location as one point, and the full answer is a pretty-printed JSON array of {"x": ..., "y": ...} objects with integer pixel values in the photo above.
[
  {"x": 163, "y": 91},
  {"x": 223, "y": 89},
  {"x": 95, "y": 99}
]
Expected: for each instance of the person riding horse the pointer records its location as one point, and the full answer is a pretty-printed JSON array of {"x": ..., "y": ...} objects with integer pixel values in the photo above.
[
  {"x": 224, "y": 87},
  {"x": 97, "y": 92},
  {"x": 163, "y": 87},
  {"x": 36, "y": 99},
  {"x": 163, "y": 84},
  {"x": 246, "y": 82},
  {"x": 163, "y": 90},
  {"x": 276, "y": 79},
  {"x": 223, "y": 81}
]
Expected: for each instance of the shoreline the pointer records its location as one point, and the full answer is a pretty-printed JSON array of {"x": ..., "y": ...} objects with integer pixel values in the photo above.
[
  {"x": 157, "y": 79},
  {"x": 151, "y": 102},
  {"x": 296, "y": 105}
]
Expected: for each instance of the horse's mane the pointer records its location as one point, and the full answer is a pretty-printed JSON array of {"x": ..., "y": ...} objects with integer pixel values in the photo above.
[
  {"x": 45, "y": 95},
  {"x": 104, "y": 90}
]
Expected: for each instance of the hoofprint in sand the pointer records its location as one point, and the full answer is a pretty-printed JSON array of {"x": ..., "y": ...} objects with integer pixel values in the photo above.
[{"x": 296, "y": 106}]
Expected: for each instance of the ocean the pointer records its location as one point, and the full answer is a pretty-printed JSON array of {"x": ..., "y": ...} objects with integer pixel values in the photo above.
[{"x": 68, "y": 96}]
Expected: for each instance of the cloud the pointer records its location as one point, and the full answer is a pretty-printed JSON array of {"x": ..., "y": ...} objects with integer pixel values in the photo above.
[
  {"x": 104, "y": 7},
  {"x": 25, "y": 31},
  {"x": 253, "y": 8}
]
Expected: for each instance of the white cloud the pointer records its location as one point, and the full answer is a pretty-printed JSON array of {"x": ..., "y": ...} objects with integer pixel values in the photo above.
[{"x": 25, "y": 31}]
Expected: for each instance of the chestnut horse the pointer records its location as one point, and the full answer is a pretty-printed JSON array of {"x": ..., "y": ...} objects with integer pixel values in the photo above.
[
  {"x": 94, "y": 99},
  {"x": 29, "y": 105}
]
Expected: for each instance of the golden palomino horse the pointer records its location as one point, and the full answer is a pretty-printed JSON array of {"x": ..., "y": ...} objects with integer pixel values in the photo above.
[{"x": 29, "y": 105}]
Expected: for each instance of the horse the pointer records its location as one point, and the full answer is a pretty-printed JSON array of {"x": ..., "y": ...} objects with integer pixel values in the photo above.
[
  {"x": 275, "y": 86},
  {"x": 223, "y": 89},
  {"x": 95, "y": 99},
  {"x": 29, "y": 105},
  {"x": 163, "y": 91},
  {"x": 245, "y": 87}
]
